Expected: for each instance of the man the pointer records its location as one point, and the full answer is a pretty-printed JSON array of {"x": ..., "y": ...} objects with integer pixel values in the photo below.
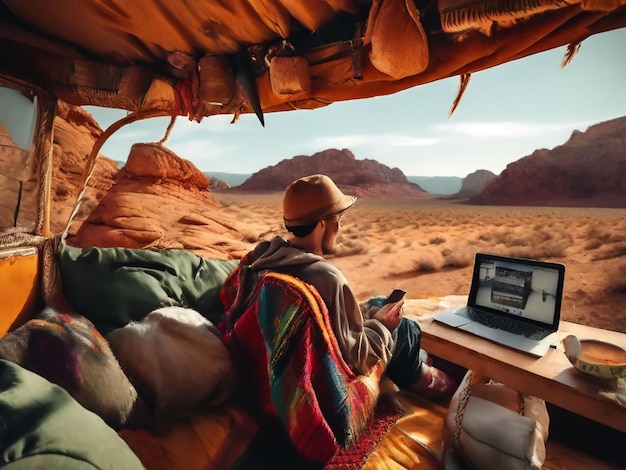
[{"x": 312, "y": 210}]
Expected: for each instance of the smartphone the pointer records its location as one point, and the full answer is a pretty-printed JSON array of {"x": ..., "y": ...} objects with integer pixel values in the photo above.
[{"x": 396, "y": 295}]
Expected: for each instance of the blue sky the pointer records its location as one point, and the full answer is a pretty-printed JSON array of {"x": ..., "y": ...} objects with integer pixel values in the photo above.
[{"x": 506, "y": 113}]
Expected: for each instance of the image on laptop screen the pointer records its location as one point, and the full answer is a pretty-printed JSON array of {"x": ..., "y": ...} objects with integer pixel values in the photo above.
[{"x": 521, "y": 288}]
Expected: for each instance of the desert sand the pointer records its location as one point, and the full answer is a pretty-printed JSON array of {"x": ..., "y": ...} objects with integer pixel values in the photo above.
[{"x": 426, "y": 247}]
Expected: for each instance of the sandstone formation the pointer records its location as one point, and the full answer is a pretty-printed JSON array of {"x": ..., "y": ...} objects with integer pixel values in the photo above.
[
  {"x": 364, "y": 178},
  {"x": 217, "y": 184},
  {"x": 157, "y": 200},
  {"x": 589, "y": 170},
  {"x": 474, "y": 183},
  {"x": 75, "y": 132}
]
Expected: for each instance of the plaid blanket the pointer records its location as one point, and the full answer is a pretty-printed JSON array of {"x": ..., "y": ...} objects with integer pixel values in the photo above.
[
  {"x": 65, "y": 348},
  {"x": 285, "y": 343}
]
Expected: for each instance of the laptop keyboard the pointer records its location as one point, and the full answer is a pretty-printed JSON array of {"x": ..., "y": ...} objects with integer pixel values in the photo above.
[{"x": 505, "y": 324}]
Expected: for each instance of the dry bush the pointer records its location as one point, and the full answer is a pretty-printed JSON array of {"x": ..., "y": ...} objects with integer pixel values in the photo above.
[
  {"x": 365, "y": 227},
  {"x": 391, "y": 239},
  {"x": 522, "y": 242},
  {"x": 557, "y": 249},
  {"x": 349, "y": 247},
  {"x": 617, "y": 279},
  {"x": 486, "y": 237},
  {"x": 348, "y": 231},
  {"x": 395, "y": 220},
  {"x": 595, "y": 232},
  {"x": 612, "y": 251},
  {"x": 437, "y": 240},
  {"x": 458, "y": 256},
  {"x": 428, "y": 262},
  {"x": 611, "y": 243},
  {"x": 593, "y": 244}
]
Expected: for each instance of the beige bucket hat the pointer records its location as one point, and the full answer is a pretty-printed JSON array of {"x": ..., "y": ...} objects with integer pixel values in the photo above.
[{"x": 312, "y": 198}]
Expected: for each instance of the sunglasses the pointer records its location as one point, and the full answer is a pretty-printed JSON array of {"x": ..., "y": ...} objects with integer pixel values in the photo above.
[{"x": 336, "y": 218}]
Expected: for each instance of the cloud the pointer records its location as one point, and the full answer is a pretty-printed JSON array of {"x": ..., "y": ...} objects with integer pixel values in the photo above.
[
  {"x": 363, "y": 140},
  {"x": 508, "y": 129}
]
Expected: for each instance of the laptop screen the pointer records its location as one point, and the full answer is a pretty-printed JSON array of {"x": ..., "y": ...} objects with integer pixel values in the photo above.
[{"x": 524, "y": 289}]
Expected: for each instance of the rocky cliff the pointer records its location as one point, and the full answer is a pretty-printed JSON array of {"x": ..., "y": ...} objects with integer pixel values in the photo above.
[
  {"x": 475, "y": 183},
  {"x": 359, "y": 177},
  {"x": 156, "y": 200},
  {"x": 75, "y": 132},
  {"x": 589, "y": 170}
]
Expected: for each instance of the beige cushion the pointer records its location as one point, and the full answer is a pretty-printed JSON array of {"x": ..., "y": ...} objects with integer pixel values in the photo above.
[
  {"x": 177, "y": 361},
  {"x": 493, "y": 426}
]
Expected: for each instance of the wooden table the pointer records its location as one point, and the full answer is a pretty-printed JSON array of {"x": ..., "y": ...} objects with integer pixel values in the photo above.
[{"x": 550, "y": 377}]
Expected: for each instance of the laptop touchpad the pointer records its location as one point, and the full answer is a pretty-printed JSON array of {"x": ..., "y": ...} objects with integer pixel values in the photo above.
[{"x": 449, "y": 317}]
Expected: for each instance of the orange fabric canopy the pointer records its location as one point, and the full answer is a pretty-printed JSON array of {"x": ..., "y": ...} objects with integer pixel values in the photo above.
[{"x": 200, "y": 58}]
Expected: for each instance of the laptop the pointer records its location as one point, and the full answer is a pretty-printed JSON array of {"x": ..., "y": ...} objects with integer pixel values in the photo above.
[{"x": 512, "y": 301}]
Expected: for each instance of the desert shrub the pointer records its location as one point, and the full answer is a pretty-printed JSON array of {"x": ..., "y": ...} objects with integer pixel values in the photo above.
[
  {"x": 500, "y": 237},
  {"x": 593, "y": 231},
  {"x": 391, "y": 239},
  {"x": 611, "y": 251},
  {"x": 388, "y": 248},
  {"x": 428, "y": 262},
  {"x": 548, "y": 250},
  {"x": 347, "y": 231},
  {"x": 399, "y": 220},
  {"x": 351, "y": 247},
  {"x": 437, "y": 240},
  {"x": 458, "y": 256},
  {"x": 616, "y": 281},
  {"x": 527, "y": 242},
  {"x": 514, "y": 239},
  {"x": 593, "y": 244},
  {"x": 597, "y": 236}
]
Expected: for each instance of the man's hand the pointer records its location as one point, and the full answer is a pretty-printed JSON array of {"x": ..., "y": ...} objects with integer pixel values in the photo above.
[{"x": 390, "y": 315}]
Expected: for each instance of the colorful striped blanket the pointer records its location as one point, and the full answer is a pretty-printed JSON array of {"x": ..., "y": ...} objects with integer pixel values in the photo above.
[{"x": 283, "y": 339}]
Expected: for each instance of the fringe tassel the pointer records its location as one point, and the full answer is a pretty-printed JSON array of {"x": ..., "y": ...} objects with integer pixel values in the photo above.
[
  {"x": 572, "y": 50},
  {"x": 457, "y": 16},
  {"x": 465, "y": 79},
  {"x": 168, "y": 131}
]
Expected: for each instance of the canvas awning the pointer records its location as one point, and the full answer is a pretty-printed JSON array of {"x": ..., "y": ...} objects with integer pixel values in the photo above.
[{"x": 198, "y": 58}]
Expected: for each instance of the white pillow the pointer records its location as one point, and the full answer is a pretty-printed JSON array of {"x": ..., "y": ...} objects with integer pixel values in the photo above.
[
  {"x": 493, "y": 426},
  {"x": 176, "y": 360}
]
